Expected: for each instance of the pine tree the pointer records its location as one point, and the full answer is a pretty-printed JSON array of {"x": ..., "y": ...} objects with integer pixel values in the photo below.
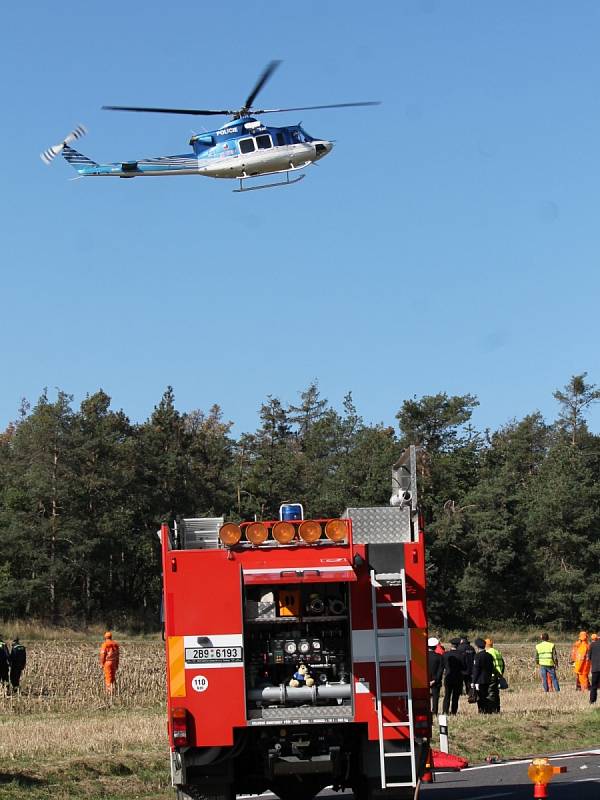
[
  {"x": 563, "y": 519},
  {"x": 38, "y": 502},
  {"x": 493, "y": 575},
  {"x": 211, "y": 456},
  {"x": 100, "y": 557},
  {"x": 449, "y": 458},
  {"x": 267, "y": 467},
  {"x": 309, "y": 411},
  {"x": 575, "y": 399},
  {"x": 165, "y": 473}
]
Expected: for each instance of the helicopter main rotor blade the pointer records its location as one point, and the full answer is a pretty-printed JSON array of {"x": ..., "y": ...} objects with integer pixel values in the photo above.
[
  {"x": 200, "y": 112},
  {"x": 266, "y": 74},
  {"x": 311, "y": 108}
]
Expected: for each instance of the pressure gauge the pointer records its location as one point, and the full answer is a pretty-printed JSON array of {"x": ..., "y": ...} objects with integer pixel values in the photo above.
[
  {"x": 304, "y": 646},
  {"x": 316, "y": 644},
  {"x": 290, "y": 646}
]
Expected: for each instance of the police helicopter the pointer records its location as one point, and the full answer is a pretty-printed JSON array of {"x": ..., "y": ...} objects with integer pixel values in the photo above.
[{"x": 242, "y": 148}]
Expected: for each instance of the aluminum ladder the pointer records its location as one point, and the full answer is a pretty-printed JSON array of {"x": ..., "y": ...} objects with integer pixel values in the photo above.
[{"x": 378, "y": 581}]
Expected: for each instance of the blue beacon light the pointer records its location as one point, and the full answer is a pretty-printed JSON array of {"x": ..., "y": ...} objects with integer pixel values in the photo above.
[{"x": 288, "y": 512}]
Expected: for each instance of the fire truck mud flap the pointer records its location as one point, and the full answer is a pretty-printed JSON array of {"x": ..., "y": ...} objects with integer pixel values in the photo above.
[
  {"x": 199, "y": 774},
  {"x": 191, "y": 757}
]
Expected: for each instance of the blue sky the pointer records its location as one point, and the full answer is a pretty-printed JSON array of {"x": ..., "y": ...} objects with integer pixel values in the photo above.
[{"x": 449, "y": 242}]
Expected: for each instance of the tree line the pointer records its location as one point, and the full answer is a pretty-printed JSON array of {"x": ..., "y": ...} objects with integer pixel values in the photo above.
[{"x": 512, "y": 515}]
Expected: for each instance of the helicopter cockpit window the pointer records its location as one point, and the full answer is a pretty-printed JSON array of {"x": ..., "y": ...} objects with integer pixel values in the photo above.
[
  {"x": 263, "y": 142},
  {"x": 296, "y": 137},
  {"x": 246, "y": 145},
  {"x": 280, "y": 139}
]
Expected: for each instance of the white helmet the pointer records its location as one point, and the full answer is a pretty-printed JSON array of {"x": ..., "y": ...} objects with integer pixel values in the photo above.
[{"x": 432, "y": 642}]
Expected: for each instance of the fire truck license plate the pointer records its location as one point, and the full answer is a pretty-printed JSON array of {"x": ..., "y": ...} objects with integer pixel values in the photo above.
[{"x": 215, "y": 655}]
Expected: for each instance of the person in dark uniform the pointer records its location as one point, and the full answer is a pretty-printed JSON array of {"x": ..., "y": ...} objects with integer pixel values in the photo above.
[
  {"x": 595, "y": 667},
  {"x": 4, "y": 662},
  {"x": 468, "y": 654},
  {"x": 18, "y": 662},
  {"x": 482, "y": 677},
  {"x": 453, "y": 677},
  {"x": 435, "y": 663}
]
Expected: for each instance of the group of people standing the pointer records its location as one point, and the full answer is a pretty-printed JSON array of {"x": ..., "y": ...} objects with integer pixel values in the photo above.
[
  {"x": 13, "y": 661},
  {"x": 479, "y": 671},
  {"x": 584, "y": 658}
]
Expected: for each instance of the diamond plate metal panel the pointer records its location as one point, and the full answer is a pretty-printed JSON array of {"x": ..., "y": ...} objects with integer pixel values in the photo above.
[
  {"x": 380, "y": 524},
  {"x": 302, "y": 714}
]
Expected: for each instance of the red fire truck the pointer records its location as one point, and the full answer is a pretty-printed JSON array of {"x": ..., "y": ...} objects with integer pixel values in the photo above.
[{"x": 297, "y": 651}]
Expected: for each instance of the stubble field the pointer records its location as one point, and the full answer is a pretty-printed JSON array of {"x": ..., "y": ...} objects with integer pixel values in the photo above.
[{"x": 60, "y": 738}]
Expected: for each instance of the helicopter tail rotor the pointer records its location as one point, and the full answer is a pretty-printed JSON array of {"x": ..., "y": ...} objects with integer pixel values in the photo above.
[{"x": 50, "y": 154}]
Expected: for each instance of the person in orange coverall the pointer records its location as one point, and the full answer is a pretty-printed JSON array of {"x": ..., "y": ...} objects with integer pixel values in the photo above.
[
  {"x": 580, "y": 659},
  {"x": 109, "y": 660}
]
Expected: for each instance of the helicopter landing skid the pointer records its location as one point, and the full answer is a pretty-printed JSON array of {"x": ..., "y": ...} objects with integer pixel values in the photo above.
[{"x": 286, "y": 182}]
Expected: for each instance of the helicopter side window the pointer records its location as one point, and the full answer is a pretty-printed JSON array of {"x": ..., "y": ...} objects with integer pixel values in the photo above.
[
  {"x": 296, "y": 137},
  {"x": 280, "y": 140},
  {"x": 246, "y": 145},
  {"x": 263, "y": 142}
]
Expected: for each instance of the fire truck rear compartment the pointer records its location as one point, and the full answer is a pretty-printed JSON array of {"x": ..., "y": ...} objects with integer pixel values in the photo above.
[{"x": 290, "y": 625}]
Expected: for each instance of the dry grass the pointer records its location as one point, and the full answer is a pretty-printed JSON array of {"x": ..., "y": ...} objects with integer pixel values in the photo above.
[
  {"x": 54, "y": 736},
  {"x": 60, "y": 737}
]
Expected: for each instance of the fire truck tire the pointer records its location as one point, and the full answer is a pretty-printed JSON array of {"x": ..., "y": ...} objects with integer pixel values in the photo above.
[{"x": 224, "y": 792}]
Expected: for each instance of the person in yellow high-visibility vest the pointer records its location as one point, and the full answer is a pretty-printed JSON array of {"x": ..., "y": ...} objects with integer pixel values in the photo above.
[
  {"x": 580, "y": 659},
  {"x": 494, "y": 691},
  {"x": 547, "y": 660}
]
